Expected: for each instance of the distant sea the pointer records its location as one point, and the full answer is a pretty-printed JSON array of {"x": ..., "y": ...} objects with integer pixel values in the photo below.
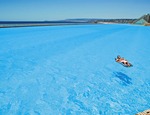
[{"x": 4, "y": 24}]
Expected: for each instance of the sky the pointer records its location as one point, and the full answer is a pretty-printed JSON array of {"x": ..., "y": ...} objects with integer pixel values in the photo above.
[{"x": 46, "y": 10}]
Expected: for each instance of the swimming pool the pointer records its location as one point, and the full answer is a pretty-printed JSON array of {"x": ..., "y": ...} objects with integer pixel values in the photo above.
[{"x": 71, "y": 70}]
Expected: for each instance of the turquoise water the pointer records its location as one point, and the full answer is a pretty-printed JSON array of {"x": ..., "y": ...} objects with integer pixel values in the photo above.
[{"x": 71, "y": 70}]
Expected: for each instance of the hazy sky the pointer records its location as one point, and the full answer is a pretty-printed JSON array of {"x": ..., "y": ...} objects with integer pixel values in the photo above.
[{"x": 66, "y": 9}]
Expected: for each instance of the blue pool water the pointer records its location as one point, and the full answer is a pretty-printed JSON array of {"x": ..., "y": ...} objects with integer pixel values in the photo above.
[{"x": 71, "y": 70}]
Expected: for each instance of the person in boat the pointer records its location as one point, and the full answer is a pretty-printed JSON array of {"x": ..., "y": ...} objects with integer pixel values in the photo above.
[{"x": 123, "y": 61}]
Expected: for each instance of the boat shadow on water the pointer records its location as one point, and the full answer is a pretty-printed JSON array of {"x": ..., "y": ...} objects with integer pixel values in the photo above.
[{"x": 124, "y": 79}]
